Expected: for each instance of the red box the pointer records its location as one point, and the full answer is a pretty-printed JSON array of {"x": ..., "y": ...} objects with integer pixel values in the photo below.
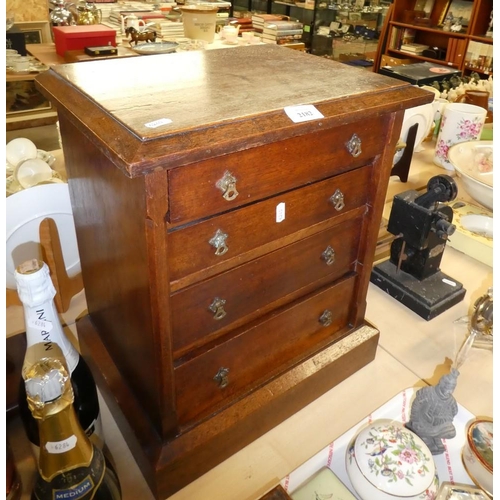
[{"x": 79, "y": 37}]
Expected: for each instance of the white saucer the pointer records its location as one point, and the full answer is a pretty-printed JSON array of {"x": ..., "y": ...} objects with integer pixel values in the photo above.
[
  {"x": 25, "y": 210},
  {"x": 421, "y": 115}
]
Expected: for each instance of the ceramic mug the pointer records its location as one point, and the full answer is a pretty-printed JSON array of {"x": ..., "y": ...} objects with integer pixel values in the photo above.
[
  {"x": 230, "y": 33},
  {"x": 459, "y": 123},
  {"x": 21, "y": 64},
  {"x": 248, "y": 36},
  {"x": 438, "y": 106},
  {"x": 476, "y": 97}
]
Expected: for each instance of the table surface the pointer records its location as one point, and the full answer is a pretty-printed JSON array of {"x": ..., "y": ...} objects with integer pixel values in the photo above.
[
  {"x": 46, "y": 52},
  {"x": 411, "y": 353}
]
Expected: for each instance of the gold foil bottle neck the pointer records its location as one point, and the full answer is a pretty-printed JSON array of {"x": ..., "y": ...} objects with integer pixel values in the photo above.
[{"x": 47, "y": 381}]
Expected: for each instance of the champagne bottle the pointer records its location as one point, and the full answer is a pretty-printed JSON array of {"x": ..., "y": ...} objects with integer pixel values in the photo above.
[
  {"x": 70, "y": 466},
  {"x": 36, "y": 291},
  {"x": 13, "y": 483}
]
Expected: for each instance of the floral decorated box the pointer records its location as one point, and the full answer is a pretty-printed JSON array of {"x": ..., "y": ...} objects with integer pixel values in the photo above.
[{"x": 448, "y": 465}]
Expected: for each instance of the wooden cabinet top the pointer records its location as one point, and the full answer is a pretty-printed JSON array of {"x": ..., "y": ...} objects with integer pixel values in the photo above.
[{"x": 173, "y": 109}]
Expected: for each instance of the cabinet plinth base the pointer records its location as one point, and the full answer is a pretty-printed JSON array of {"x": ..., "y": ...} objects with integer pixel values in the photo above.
[{"x": 170, "y": 465}]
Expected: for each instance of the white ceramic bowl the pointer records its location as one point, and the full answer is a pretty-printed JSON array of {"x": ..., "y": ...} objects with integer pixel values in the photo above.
[
  {"x": 473, "y": 162},
  {"x": 20, "y": 149},
  {"x": 386, "y": 461},
  {"x": 477, "y": 453},
  {"x": 31, "y": 172}
]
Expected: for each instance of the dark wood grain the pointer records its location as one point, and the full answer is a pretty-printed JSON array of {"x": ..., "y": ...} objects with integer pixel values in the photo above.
[
  {"x": 190, "y": 252},
  {"x": 233, "y": 120},
  {"x": 277, "y": 493},
  {"x": 273, "y": 169},
  {"x": 261, "y": 285},
  {"x": 145, "y": 200},
  {"x": 272, "y": 346}
]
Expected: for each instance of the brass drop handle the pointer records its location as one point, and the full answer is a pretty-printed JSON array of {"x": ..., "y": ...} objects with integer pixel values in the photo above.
[
  {"x": 227, "y": 184},
  {"x": 337, "y": 200},
  {"x": 354, "y": 145},
  {"x": 219, "y": 242},
  {"x": 326, "y": 318},
  {"x": 222, "y": 377},
  {"x": 328, "y": 255},
  {"x": 217, "y": 307}
]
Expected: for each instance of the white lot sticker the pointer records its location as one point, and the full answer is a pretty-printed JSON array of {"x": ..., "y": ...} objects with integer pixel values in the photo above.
[
  {"x": 302, "y": 113},
  {"x": 40, "y": 324},
  {"x": 56, "y": 447},
  {"x": 280, "y": 212},
  {"x": 158, "y": 123},
  {"x": 449, "y": 282}
]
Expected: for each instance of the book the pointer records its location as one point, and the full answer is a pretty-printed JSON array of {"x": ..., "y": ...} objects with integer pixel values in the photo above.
[
  {"x": 450, "y": 52},
  {"x": 283, "y": 25},
  {"x": 258, "y": 20},
  {"x": 282, "y": 38},
  {"x": 408, "y": 36},
  {"x": 415, "y": 48},
  {"x": 268, "y": 31},
  {"x": 460, "y": 51},
  {"x": 278, "y": 42}
]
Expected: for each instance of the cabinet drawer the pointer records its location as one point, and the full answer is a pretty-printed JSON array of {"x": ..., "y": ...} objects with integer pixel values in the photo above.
[
  {"x": 212, "y": 242},
  {"x": 198, "y": 190},
  {"x": 252, "y": 289},
  {"x": 259, "y": 353}
]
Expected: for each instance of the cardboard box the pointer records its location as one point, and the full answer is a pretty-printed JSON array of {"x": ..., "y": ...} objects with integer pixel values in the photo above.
[{"x": 79, "y": 37}]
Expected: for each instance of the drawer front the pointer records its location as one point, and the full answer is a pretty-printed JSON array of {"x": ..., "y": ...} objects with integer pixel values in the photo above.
[
  {"x": 226, "y": 182},
  {"x": 219, "y": 239},
  {"x": 258, "y": 354},
  {"x": 243, "y": 293}
]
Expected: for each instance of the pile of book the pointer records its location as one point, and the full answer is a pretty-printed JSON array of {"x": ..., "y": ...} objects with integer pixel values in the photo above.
[
  {"x": 169, "y": 30},
  {"x": 282, "y": 32},
  {"x": 413, "y": 48},
  {"x": 258, "y": 20},
  {"x": 245, "y": 23}
]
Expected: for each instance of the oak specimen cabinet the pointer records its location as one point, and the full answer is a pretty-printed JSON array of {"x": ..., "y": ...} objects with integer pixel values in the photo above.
[{"x": 225, "y": 248}]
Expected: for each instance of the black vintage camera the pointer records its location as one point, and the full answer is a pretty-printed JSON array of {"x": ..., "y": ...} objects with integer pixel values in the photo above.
[{"x": 435, "y": 53}]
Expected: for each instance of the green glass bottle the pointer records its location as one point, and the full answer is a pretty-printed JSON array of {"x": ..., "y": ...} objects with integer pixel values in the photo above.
[{"x": 70, "y": 465}]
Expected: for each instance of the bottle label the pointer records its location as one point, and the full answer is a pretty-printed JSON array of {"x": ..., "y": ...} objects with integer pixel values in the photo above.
[
  {"x": 40, "y": 324},
  {"x": 73, "y": 483},
  {"x": 43, "y": 326},
  {"x": 76, "y": 492},
  {"x": 63, "y": 446}
]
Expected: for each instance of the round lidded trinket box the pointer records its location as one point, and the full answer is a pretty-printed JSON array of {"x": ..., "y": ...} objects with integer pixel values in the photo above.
[
  {"x": 387, "y": 461},
  {"x": 477, "y": 453}
]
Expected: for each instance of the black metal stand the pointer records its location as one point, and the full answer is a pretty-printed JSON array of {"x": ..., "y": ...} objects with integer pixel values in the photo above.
[
  {"x": 428, "y": 297},
  {"x": 402, "y": 167}
]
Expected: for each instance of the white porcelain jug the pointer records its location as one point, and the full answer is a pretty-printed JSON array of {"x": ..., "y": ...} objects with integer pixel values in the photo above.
[{"x": 132, "y": 21}]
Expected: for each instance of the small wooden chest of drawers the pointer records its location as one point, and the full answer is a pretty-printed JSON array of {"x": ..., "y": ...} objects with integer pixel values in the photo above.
[{"x": 225, "y": 247}]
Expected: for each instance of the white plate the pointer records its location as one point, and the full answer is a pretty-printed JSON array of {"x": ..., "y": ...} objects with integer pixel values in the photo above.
[
  {"x": 424, "y": 116},
  {"x": 155, "y": 48},
  {"x": 25, "y": 210},
  {"x": 478, "y": 224}
]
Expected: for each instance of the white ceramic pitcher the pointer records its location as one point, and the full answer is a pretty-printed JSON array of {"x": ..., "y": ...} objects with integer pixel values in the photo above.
[{"x": 132, "y": 21}]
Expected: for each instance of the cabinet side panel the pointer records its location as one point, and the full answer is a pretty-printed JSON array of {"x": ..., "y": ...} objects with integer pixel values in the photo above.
[
  {"x": 376, "y": 199},
  {"x": 109, "y": 209}
]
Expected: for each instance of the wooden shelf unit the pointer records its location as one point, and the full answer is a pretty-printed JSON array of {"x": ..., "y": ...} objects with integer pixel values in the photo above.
[{"x": 455, "y": 45}]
